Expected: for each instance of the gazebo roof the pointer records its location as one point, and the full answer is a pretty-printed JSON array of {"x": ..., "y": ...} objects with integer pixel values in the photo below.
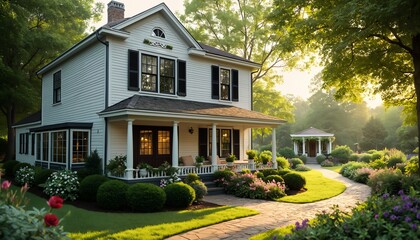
[{"x": 312, "y": 132}]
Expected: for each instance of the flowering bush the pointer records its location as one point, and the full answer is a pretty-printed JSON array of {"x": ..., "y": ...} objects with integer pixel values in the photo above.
[
  {"x": 18, "y": 223},
  {"x": 172, "y": 179},
  {"x": 249, "y": 186},
  {"x": 327, "y": 163},
  {"x": 381, "y": 217},
  {"x": 64, "y": 184},
  {"x": 362, "y": 174},
  {"x": 25, "y": 175}
]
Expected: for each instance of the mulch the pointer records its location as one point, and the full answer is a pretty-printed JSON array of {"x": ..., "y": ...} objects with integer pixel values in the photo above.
[{"x": 92, "y": 206}]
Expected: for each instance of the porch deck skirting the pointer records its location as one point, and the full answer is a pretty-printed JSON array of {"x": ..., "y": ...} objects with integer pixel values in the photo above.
[{"x": 134, "y": 174}]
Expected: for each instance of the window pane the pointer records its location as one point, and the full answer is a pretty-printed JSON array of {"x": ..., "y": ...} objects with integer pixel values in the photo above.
[
  {"x": 38, "y": 146},
  {"x": 225, "y": 76},
  {"x": 226, "y": 143},
  {"x": 224, "y": 84},
  {"x": 45, "y": 146},
  {"x": 149, "y": 73},
  {"x": 167, "y": 76},
  {"x": 59, "y": 146},
  {"x": 164, "y": 142},
  {"x": 80, "y": 146},
  {"x": 146, "y": 142},
  {"x": 148, "y": 83},
  {"x": 225, "y": 90}
]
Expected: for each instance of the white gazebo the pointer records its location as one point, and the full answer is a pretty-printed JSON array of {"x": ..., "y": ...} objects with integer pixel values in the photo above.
[{"x": 312, "y": 142}]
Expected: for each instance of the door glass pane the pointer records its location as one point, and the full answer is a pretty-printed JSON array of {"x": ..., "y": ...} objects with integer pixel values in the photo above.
[
  {"x": 80, "y": 146},
  {"x": 217, "y": 141},
  {"x": 226, "y": 143},
  {"x": 164, "y": 142},
  {"x": 146, "y": 142}
]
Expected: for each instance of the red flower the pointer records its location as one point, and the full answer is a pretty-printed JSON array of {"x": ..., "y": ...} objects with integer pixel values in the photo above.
[
  {"x": 6, "y": 184},
  {"x": 55, "y": 202},
  {"x": 51, "y": 219}
]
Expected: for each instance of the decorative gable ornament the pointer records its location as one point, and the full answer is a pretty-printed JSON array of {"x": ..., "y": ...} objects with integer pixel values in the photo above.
[{"x": 157, "y": 44}]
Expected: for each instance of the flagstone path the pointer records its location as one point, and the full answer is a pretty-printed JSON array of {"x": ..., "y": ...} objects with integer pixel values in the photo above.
[{"x": 275, "y": 214}]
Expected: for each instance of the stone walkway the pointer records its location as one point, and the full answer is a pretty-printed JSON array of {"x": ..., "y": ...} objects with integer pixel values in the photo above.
[{"x": 275, "y": 214}]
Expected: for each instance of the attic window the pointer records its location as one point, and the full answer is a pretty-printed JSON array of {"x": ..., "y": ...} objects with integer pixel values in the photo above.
[{"x": 157, "y": 32}]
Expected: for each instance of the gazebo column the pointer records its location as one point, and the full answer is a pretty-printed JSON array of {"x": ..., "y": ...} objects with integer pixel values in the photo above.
[
  {"x": 273, "y": 147},
  {"x": 214, "y": 147},
  {"x": 295, "y": 148},
  {"x": 330, "y": 146},
  {"x": 303, "y": 147},
  {"x": 175, "y": 144},
  {"x": 319, "y": 146},
  {"x": 130, "y": 148}
]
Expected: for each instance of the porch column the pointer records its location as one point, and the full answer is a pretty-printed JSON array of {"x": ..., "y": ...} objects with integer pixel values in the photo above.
[
  {"x": 319, "y": 146},
  {"x": 330, "y": 146},
  {"x": 175, "y": 145},
  {"x": 303, "y": 147},
  {"x": 130, "y": 148},
  {"x": 273, "y": 147},
  {"x": 214, "y": 147},
  {"x": 295, "y": 147}
]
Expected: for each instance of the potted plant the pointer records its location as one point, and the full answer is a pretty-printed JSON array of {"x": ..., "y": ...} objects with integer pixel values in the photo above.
[
  {"x": 230, "y": 159},
  {"x": 116, "y": 166},
  {"x": 199, "y": 161},
  {"x": 143, "y": 169},
  {"x": 251, "y": 155}
]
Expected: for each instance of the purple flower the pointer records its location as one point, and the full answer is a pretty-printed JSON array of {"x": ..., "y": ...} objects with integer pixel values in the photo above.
[
  {"x": 407, "y": 219},
  {"x": 418, "y": 215},
  {"x": 396, "y": 209},
  {"x": 386, "y": 214},
  {"x": 401, "y": 192},
  {"x": 393, "y": 217},
  {"x": 413, "y": 226},
  {"x": 376, "y": 216},
  {"x": 385, "y": 196}
]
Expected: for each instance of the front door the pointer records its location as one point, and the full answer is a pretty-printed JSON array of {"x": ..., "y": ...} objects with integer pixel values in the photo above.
[
  {"x": 312, "y": 148},
  {"x": 152, "y": 145}
]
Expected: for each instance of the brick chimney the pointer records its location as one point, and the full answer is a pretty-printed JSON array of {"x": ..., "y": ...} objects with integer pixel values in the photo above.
[{"x": 115, "y": 11}]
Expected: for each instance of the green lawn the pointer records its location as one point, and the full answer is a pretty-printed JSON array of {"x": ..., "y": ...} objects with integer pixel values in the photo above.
[
  {"x": 318, "y": 188},
  {"x": 83, "y": 224}
]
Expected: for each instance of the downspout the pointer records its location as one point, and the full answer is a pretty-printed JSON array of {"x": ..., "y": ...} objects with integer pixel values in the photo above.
[{"x": 106, "y": 43}]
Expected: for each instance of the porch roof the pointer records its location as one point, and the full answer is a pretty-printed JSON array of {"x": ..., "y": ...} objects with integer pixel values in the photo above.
[
  {"x": 169, "y": 107},
  {"x": 312, "y": 132}
]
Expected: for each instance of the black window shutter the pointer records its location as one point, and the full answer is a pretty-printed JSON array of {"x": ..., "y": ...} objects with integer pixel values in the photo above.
[
  {"x": 26, "y": 143},
  {"x": 236, "y": 144},
  {"x": 235, "y": 85},
  {"x": 133, "y": 70},
  {"x": 202, "y": 142},
  {"x": 20, "y": 143},
  {"x": 33, "y": 144},
  {"x": 214, "y": 82},
  {"x": 182, "y": 78}
]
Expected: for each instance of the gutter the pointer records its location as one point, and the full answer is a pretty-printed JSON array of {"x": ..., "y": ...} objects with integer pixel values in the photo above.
[{"x": 106, "y": 43}]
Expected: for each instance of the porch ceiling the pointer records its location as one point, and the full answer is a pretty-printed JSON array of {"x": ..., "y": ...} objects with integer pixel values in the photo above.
[{"x": 176, "y": 109}]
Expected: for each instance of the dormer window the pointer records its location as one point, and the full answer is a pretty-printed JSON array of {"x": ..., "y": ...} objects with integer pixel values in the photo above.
[{"x": 157, "y": 32}]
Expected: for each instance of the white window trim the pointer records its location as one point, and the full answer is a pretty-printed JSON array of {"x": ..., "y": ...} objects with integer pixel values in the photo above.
[
  {"x": 50, "y": 149},
  {"x": 71, "y": 145},
  {"x": 158, "y": 74},
  {"x": 152, "y": 34}
]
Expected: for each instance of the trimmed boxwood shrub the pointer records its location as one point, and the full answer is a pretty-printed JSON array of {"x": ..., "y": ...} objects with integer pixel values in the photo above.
[
  {"x": 8, "y": 167},
  {"x": 302, "y": 168},
  {"x": 342, "y": 154},
  {"x": 268, "y": 172},
  {"x": 191, "y": 178},
  {"x": 41, "y": 176},
  {"x": 89, "y": 187},
  {"x": 179, "y": 195},
  {"x": 19, "y": 166},
  {"x": 320, "y": 158},
  {"x": 354, "y": 158},
  {"x": 294, "y": 162},
  {"x": 365, "y": 158},
  {"x": 282, "y": 163},
  {"x": 283, "y": 172},
  {"x": 200, "y": 189},
  {"x": 377, "y": 155},
  {"x": 286, "y": 152},
  {"x": 303, "y": 158},
  {"x": 145, "y": 197},
  {"x": 276, "y": 178},
  {"x": 294, "y": 181},
  {"x": 260, "y": 175},
  {"x": 393, "y": 161},
  {"x": 111, "y": 195},
  {"x": 265, "y": 156}
]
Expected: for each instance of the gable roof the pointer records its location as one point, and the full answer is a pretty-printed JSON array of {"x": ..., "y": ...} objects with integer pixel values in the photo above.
[
  {"x": 31, "y": 119},
  {"x": 184, "y": 109},
  {"x": 312, "y": 132},
  {"x": 116, "y": 29}
]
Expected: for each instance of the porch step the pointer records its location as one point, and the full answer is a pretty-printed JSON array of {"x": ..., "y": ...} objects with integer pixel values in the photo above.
[
  {"x": 212, "y": 189},
  {"x": 311, "y": 160}
]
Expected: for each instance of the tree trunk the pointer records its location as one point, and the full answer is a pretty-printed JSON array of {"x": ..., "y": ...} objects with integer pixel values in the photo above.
[
  {"x": 416, "y": 62},
  {"x": 10, "y": 118}
]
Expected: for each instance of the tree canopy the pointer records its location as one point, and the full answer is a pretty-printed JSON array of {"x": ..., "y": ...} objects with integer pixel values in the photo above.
[
  {"x": 374, "y": 133},
  {"x": 366, "y": 46},
  {"x": 33, "y": 33}
]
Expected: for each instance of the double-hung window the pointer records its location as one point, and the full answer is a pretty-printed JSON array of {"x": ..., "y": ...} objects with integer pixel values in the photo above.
[
  {"x": 224, "y": 84},
  {"x": 57, "y": 87},
  {"x": 149, "y": 73},
  {"x": 167, "y": 76}
]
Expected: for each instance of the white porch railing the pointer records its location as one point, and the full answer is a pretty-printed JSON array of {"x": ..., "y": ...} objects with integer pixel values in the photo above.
[{"x": 185, "y": 170}]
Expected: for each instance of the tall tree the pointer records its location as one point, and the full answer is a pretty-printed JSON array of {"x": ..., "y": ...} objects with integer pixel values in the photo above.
[
  {"x": 33, "y": 33},
  {"x": 374, "y": 134},
  {"x": 368, "y": 46}
]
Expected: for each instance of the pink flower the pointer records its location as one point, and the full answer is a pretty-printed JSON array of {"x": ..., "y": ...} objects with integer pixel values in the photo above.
[
  {"x": 55, "y": 202},
  {"x": 51, "y": 219},
  {"x": 6, "y": 184}
]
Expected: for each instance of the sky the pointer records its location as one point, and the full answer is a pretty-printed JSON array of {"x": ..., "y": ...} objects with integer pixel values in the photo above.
[{"x": 295, "y": 82}]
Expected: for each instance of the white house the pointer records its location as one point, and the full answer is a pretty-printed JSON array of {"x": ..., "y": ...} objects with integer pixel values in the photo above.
[{"x": 145, "y": 88}]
